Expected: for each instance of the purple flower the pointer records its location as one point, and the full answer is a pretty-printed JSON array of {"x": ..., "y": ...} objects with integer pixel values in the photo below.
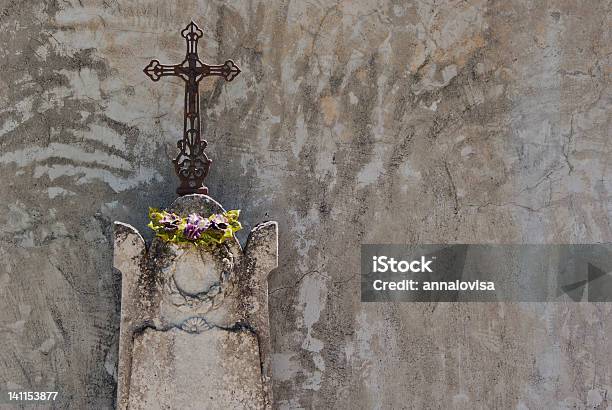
[
  {"x": 194, "y": 219},
  {"x": 170, "y": 222},
  {"x": 219, "y": 222},
  {"x": 196, "y": 225}
]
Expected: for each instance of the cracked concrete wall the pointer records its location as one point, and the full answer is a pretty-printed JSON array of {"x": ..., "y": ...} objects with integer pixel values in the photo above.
[{"x": 351, "y": 122}]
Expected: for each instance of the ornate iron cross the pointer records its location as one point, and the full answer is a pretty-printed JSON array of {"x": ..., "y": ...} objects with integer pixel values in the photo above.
[{"x": 192, "y": 163}]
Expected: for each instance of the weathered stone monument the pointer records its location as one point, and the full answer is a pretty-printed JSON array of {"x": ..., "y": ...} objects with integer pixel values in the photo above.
[{"x": 194, "y": 319}]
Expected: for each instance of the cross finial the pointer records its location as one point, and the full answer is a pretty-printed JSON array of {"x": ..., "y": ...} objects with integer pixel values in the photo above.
[{"x": 192, "y": 164}]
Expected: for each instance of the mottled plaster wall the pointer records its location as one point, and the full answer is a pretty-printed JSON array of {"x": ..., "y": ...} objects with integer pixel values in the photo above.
[{"x": 352, "y": 122}]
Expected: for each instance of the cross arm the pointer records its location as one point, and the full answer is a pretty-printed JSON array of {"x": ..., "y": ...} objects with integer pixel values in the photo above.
[
  {"x": 229, "y": 70},
  {"x": 155, "y": 70}
]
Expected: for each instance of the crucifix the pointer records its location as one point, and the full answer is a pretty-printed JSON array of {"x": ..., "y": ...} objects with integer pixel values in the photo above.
[{"x": 192, "y": 164}]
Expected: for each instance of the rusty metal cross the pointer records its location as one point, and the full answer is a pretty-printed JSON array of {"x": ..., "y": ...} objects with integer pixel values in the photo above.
[{"x": 192, "y": 163}]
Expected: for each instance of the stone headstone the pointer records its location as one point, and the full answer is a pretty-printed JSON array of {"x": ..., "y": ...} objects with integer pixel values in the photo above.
[{"x": 194, "y": 321}]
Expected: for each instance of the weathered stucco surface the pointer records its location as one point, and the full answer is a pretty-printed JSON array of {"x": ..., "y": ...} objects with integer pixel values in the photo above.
[{"x": 351, "y": 122}]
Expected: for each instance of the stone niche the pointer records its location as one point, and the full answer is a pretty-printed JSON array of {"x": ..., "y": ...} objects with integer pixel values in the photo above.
[{"x": 194, "y": 322}]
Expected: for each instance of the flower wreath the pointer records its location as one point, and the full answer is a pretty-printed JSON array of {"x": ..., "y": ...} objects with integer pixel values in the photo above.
[{"x": 194, "y": 229}]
